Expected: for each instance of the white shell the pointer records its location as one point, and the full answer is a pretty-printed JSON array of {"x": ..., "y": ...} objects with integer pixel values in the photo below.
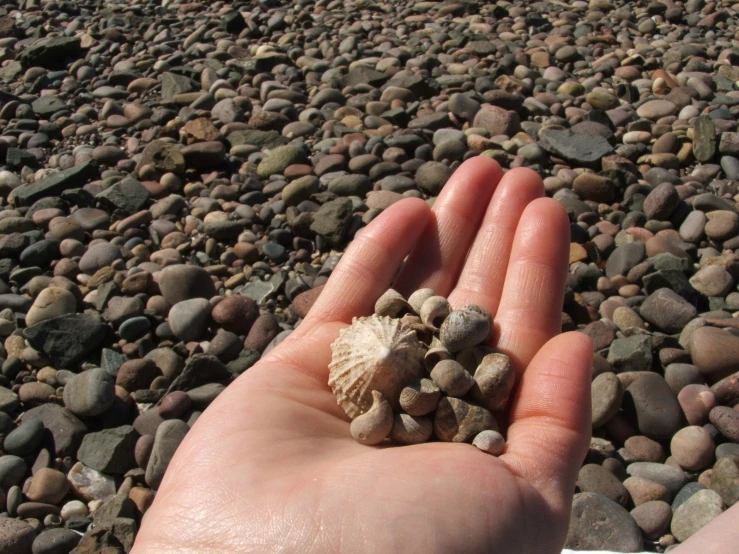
[{"x": 374, "y": 353}]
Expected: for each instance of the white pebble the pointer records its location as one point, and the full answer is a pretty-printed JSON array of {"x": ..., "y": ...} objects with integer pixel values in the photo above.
[
  {"x": 489, "y": 441},
  {"x": 74, "y": 508}
]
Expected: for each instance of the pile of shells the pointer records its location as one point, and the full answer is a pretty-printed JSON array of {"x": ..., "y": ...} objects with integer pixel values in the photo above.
[{"x": 416, "y": 370}]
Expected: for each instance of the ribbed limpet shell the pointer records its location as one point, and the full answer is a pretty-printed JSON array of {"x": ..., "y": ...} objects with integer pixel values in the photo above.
[{"x": 374, "y": 353}]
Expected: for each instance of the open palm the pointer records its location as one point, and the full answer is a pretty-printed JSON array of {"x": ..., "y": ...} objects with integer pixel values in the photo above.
[{"x": 271, "y": 466}]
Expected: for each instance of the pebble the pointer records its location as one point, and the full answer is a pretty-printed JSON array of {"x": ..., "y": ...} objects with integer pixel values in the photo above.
[
  {"x": 692, "y": 448},
  {"x": 25, "y": 439},
  {"x": 16, "y": 535},
  {"x": 168, "y": 437},
  {"x": 49, "y": 486},
  {"x": 188, "y": 319},
  {"x": 90, "y": 393},
  {"x": 598, "y": 523},
  {"x": 55, "y": 541},
  {"x": 653, "y": 518},
  {"x": 696, "y": 512}
]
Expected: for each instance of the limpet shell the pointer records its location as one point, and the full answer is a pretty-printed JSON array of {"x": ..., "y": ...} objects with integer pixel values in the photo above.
[{"x": 373, "y": 353}]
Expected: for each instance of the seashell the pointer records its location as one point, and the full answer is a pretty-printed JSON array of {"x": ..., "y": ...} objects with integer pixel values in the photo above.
[
  {"x": 391, "y": 304},
  {"x": 471, "y": 357},
  {"x": 457, "y": 420},
  {"x": 373, "y": 426},
  {"x": 408, "y": 429},
  {"x": 494, "y": 380},
  {"x": 434, "y": 355},
  {"x": 420, "y": 397},
  {"x": 373, "y": 353},
  {"x": 417, "y": 299},
  {"x": 452, "y": 378},
  {"x": 490, "y": 441},
  {"x": 414, "y": 322},
  {"x": 434, "y": 311},
  {"x": 465, "y": 328}
]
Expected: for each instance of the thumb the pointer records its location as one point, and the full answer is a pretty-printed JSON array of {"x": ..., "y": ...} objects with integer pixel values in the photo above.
[{"x": 550, "y": 420}]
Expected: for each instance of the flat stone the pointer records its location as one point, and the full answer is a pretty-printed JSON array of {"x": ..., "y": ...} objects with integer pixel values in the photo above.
[
  {"x": 66, "y": 429},
  {"x": 188, "y": 319},
  {"x": 576, "y": 148},
  {"x": 714, "y": 352},
  {"x": 55, "y": 184},
  {"x": 595, "y": 478},
  {"x": 700, "y": 509},
  {"x": 598, "y": 523},
  {"x": 128, "y": 196},
  {"x": 67, "y": 339},
  {"x": 670, "y": 477},
  {"x": 16, "y": 536},
  {"x": 725, "y": 479},
  {"x": 89, "y": 393},
  {"x": 650, "y": 403},
  {"x": 109, "y": 451},
  {"x": 183, "y": 282},
  {"x": 55, "y": 541},
  {"x": 50, "y": 51},
  {"x": 168, "y": 437},
  {"x": 667, "y": 310}
]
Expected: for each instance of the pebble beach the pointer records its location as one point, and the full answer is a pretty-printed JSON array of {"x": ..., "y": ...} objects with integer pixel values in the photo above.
[{"x": 178, "y": 180}]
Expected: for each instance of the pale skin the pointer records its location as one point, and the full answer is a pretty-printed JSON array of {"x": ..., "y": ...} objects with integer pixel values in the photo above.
[{"x": 270, "y": 466}]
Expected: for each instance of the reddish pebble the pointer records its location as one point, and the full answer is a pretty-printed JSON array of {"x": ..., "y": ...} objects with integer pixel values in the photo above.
[{"x": 175, "y": 405}]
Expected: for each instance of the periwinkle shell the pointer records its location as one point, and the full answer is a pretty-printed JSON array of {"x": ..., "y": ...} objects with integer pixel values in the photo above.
[
  {"x": 494, "y": 380},
  {"x": 420, "y": 397},
  {"x": 457, "y": 420},
  {"x": 408, "y": 429},
  {"x": 465, "y": 328}
]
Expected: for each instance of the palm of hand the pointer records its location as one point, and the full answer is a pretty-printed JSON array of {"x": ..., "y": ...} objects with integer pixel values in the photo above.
[{"x": 270, "y": 466}]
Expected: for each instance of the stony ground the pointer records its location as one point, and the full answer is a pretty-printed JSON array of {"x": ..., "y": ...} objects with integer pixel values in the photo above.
[{"x": 178, "y": 179}]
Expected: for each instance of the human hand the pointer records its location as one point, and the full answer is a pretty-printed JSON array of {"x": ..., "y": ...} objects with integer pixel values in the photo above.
[{"x": 271, "y": 466}]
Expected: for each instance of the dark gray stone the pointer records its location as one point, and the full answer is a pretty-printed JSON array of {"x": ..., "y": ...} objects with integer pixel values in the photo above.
[
  {"x": 50, "y": 51},
  {"x": 109, "y": 451},
  {"x": 67, "y": 339},
  {"x": 576, "y": 148},
  {"x": 598, "y": 523},
  {"x": 65, "y": 428},
  {"x": 56, "y": 184},
  {"x": 651, "y": 405},
  {"x": 129, "y": 196}
]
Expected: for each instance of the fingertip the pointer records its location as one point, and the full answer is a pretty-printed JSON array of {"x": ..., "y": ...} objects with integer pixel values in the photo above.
[
  {"x": 411, "y": 208},
  {"x": 579, "y": 343},
  {"x": 482, "y": 164},
  {"x": 526, "y": 175},
  {"x": 552, "y": 210}
]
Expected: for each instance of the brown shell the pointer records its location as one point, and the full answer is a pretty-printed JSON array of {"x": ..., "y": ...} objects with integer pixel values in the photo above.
[
  {"x": 373, "y": 353},
  {"x": 459, "y": 421}
]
